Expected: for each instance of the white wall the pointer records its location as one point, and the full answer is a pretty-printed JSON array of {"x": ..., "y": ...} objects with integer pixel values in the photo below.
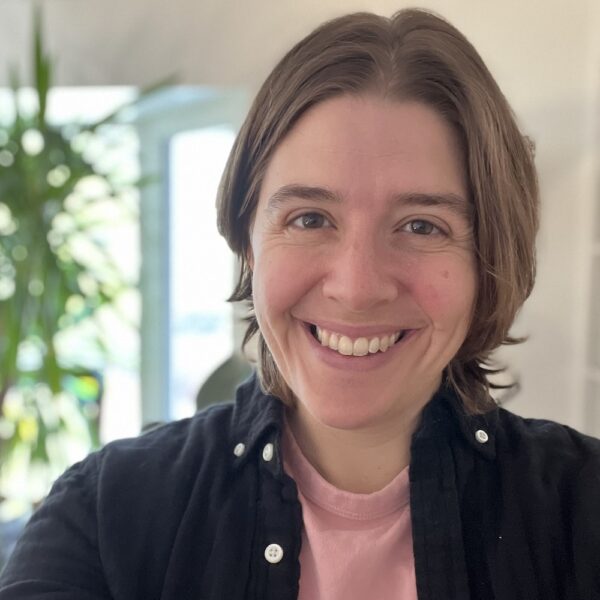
[{"x": 545, "y": 55}]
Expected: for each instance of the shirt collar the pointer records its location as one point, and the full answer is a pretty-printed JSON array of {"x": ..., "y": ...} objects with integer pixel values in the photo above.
[
  {"x": 445, "y": 413},
  {"x": 258, "y": 417}
]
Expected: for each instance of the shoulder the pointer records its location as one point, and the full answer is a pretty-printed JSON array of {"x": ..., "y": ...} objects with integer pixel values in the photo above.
[
  {"x": 209, "y": 436},
  {"x": 174, "y": 444},
  {"x": 549, "y": 455},
  {"x": 550, "y": 488},
  {"x": 517, "y": 435},
  {"x": 123, "y": 508},
  {"x": 159, "y": 467},
  {"x": 174, "y": 457}
]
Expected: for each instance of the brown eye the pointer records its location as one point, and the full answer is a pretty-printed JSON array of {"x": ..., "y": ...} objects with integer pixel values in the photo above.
[{"x": 310, "y": 221}]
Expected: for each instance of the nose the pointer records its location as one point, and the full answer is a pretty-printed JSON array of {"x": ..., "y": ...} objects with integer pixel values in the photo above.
[{"x": 361, "y": 275}]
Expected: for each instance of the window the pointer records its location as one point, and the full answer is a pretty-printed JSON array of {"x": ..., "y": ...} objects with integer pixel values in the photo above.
[
  {"x": 201, "y": 266},
  {"x": 187, "y": 270}
]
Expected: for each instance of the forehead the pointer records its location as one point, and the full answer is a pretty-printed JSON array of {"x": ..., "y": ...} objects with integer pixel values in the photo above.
[{"x": 368, "y": 144}]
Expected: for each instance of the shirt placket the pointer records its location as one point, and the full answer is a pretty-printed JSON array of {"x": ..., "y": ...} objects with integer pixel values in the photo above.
[
  {"x": 440, "y": 566},
  {"x": 279, "y": 532}
]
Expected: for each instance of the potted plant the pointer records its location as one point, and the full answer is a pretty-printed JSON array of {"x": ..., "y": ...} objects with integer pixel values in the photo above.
[{"x": 56, "y": 276}]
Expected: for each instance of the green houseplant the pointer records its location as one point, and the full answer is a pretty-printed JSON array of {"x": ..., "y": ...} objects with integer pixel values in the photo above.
[{"x": 56, "y": 276}]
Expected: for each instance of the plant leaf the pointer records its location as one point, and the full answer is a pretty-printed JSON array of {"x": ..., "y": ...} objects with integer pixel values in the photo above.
[{"x": 42, "y": 67}]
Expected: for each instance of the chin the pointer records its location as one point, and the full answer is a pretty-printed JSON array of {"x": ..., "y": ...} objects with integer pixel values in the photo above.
[{"x": 347, "y": 410}]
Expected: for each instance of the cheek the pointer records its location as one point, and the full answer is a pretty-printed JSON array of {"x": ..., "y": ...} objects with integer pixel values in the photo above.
[
  {"x": 447, "y": 294},
  {"x": 278, "y": 283}
]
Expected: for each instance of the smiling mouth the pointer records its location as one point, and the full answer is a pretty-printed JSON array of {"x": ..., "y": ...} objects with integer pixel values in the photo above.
[{"x": 361, "y": 346}]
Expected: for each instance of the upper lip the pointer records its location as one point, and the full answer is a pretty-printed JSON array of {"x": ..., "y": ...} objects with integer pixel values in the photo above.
[{"x": 356, "y": 331}]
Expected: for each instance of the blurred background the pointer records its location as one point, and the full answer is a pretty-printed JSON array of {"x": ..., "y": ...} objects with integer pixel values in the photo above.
[{"x": 112, "y": 275}]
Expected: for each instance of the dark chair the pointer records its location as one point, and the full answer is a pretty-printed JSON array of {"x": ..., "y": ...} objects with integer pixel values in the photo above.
[{"x": 222, "y": 382}]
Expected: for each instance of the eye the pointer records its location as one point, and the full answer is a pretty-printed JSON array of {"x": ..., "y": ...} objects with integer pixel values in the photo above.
[
  {"x": 421, "y": 227},
  {"x": 311, "y": 221}
]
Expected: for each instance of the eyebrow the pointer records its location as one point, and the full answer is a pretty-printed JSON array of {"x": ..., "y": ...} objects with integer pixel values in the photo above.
[
  {"x": 300, "y": 192},
  {"x": 454, "y": 202}
]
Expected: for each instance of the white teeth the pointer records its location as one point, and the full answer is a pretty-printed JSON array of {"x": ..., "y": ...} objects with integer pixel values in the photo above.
[
  {"x": 345, "y": 346},
  {"x": 361, "y": 347},
  {"x": 334, "y": 338},
  {"x": 358, "y": 347}
]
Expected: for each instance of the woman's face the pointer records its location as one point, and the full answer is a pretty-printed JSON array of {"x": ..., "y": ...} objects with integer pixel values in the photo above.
[{"x": 362, "y": 238}]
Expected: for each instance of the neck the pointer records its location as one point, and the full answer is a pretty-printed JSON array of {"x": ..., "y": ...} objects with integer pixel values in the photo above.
[{"x": 360, "y": 460}]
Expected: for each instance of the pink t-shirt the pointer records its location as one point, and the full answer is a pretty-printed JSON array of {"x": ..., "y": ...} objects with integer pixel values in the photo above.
[{"x": 354, "y": 546}]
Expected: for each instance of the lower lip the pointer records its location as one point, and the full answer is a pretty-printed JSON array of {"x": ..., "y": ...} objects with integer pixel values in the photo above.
[{"x": 356, "y": 363}]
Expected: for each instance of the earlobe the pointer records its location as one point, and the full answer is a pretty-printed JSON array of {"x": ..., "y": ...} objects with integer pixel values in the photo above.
[{"x": 250, "y": 259}]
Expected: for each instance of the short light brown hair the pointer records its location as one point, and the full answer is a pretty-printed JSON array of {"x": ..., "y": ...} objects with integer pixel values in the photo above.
[{"x": 414, "y": 55}]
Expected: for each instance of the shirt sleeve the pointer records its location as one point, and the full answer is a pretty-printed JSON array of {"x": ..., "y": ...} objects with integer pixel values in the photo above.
[{"x": 57, "y": 555}]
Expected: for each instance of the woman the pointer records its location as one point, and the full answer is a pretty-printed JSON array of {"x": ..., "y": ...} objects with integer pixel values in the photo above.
[{"x": 384, "y": 206}]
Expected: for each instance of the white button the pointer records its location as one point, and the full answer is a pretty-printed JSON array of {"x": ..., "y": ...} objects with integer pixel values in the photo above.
[
  {"x": 481, "y": 436},
  {"x": 273, "y": 553},
  {"x": 239, "y": 449},
  {"x": 268, "y": 452}
]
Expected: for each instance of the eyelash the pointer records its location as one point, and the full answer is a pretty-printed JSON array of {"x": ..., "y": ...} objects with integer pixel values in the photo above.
[{"x": 434, "y": 229}]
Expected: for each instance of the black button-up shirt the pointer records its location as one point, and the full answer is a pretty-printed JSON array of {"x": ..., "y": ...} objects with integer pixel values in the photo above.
[{"x": 502, "y": 508}]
